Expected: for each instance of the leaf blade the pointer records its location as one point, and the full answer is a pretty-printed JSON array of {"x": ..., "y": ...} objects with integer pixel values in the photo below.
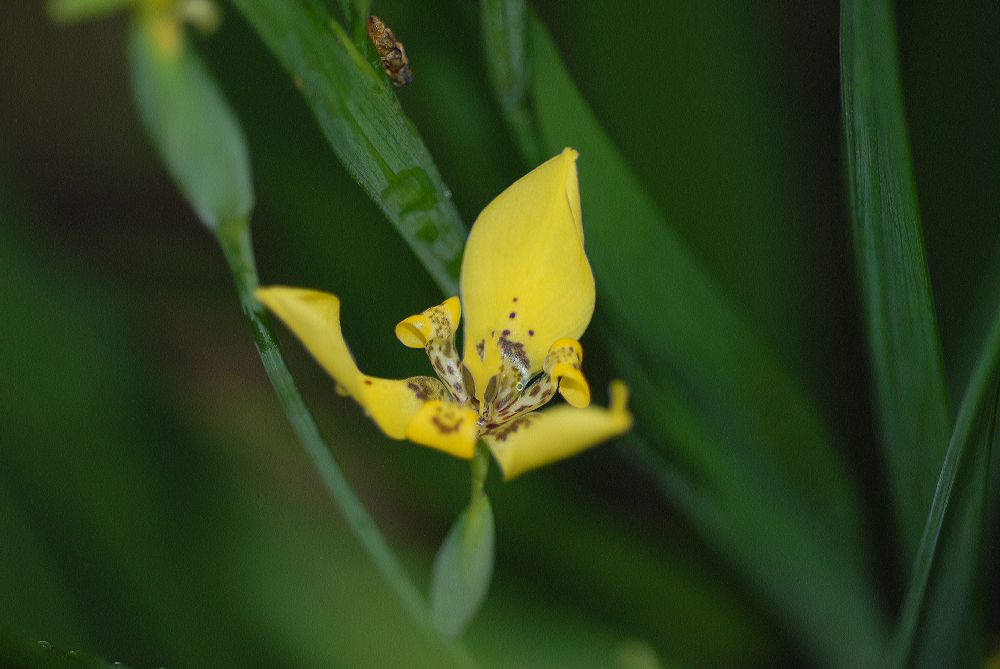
[
  {"x": 503, "y": 25},
  {"x": 708, "y": 361},
  {"x": 463, "y": 568},
  {"x": 975, "y": 401},
  {"x": 365, "y": 126},
  {"x": 691, "y": 332},
  {"x": 195, "y": 131},
  {"x": 903, "y": 340}
]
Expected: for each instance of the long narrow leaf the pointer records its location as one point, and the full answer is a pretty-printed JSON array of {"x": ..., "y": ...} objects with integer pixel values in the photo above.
[
  {"x": 362, "y": 119},
  {"x": 920, "y": 600},
  {"x": 905, "y": 349},
  {"x": 786, "y": 558},
  {"x": 18, "y": 653},
  {"x": 949, "y": 630},
  {"x": 202, "y": 144},
  {"x": 655, "y": 292},
  {"x": 192, "y": 126},
  {"x": 503, "y": 24},
  {"x": 712, "y": 386}
]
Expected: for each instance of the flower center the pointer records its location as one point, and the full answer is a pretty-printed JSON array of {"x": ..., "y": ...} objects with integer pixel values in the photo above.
[{"x": 512, "y": 391}]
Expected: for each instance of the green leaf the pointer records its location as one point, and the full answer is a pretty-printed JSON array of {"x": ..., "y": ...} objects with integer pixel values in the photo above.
[
  {"x": 463, "y": 568},
  {"x": 712, "y": 390},
  {"x": 93, "y": 514},
  {"x": 193, "y": 128},
  {"x": 786, "y": 558},
  {"x": 505, "y": 47},
  {"x": 905, "y": 349},
  {"x": 71, "y": 11},
  {"x": 361, "y": 118},
  {"x": 954, "y": 526},
  {"x": 949, "y": 631},
  {"x": 19, "y": 653},
  {"x": 691, "y": 334}
]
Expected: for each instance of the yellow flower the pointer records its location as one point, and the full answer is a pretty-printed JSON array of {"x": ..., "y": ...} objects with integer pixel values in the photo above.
[{"x": 528, "y": 293}]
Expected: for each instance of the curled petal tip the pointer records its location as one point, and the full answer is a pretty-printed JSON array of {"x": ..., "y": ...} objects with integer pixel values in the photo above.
[
  {"x": 573, "y": 385},
  {"x": 438, "y": 322},
  {"x": 413, "y": 331}
]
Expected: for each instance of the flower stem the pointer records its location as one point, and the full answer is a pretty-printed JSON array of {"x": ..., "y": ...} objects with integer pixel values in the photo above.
[
  {"x": 235, "y": 241},
  {"x": 480, "y": 465}
]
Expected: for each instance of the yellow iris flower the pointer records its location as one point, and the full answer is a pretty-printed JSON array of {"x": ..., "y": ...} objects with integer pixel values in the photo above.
[{"x": 528, "y": 293}]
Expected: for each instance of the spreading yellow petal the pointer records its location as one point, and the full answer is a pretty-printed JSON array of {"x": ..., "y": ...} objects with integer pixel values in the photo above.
[
  {"x": 314, "y": 317},
  {"x": 526, "y": 281},
  {"x": 394, "y": 405},
  {"x": 528, "y": 294},
  {"x": 537, "y": 439},
  {"x": 446, "y": 426}
]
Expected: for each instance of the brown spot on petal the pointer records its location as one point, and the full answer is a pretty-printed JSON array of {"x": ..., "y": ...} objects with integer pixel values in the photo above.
[
  {"x": 510, "y": 428},
  {"x": 423, "y": 390},
  {"x": 447, "y": 421}
]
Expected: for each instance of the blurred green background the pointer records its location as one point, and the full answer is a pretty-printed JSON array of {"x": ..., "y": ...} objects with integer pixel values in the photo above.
[{"x": 156, "y": 509}]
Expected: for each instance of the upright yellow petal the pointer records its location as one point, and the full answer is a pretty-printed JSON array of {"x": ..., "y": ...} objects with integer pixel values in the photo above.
[
  {"x": 537, "y": 439},
  {"x": 314, "y": 317},
  {"x": 526, "y": 281}
]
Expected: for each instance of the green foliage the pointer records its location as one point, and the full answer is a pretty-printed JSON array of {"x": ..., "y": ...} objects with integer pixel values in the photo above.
[
  {"x": 463, "y": 568},
  {"x": 940, "y": 587},
  {"x": 907, "y": 360},
  {"x": 361, "y": 118},
  {"x": 19, "y": 653},
  {"x": 905, "y": 350},
  {"x": 194, "y": 130},
  {"x": 692, "y": 393},
  {"x": 71, "y": 11},
  {"x": 505, "y": 46},
  {"x": 154, "y": 508},
  {"x": 201, "y": 114}
]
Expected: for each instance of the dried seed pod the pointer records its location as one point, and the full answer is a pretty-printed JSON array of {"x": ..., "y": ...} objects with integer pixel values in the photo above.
[{"x": 390, "y": 52}]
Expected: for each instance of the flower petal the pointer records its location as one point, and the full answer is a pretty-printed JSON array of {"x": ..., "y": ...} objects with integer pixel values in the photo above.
[
  {"x": 437, "y": 323},
  {"x": 563, "y": 364},
  {"x": 537, "y": 439},
  {"x": 393, "y": 405},
  {"x": 434, "y": 331},
  {"x": 526, "y": 281},
  {"x": 314, "y": 317},
  {"x": 446, "y": 426}
]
